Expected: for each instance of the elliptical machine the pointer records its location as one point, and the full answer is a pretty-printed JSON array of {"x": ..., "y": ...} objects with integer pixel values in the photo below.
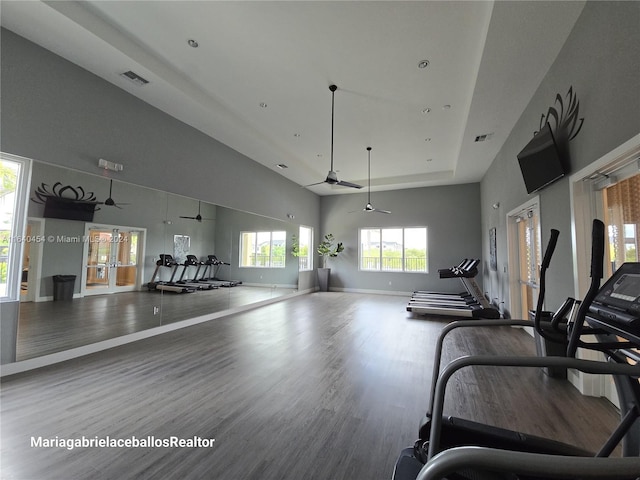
[{"x": 460, "y": 449}]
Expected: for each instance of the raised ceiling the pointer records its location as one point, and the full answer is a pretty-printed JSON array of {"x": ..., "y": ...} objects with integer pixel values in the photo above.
[{"x": 486, "y": 60}]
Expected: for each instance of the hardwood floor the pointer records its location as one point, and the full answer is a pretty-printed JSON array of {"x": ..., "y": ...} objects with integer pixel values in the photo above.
[
  {"x": 49, "y": 327},
  {"x": 325, "y": 386}
]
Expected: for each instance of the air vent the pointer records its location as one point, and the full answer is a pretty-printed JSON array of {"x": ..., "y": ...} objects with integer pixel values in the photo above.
[
  {"x": 281, "y": 166},
  {"x": 135, "y": 78},
  {"x": 483, "y": 138}
]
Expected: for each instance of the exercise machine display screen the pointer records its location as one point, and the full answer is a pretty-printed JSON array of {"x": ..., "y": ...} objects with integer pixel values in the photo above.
[
  {"x": 619, "y": 297},
  {"x": 627, "y": 288}
]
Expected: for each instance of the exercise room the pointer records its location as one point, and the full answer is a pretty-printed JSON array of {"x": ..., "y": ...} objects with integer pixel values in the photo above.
[{"x": 325, "y": 240}]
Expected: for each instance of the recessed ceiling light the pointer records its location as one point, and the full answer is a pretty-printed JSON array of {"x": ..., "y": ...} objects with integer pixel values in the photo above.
[
  {"x": 428, "y": 139},
  {"x": 192, "y": 43},
  {"x": 263, "y": 105},
  {"x": 281, "y": 166},
  {"x": 423, "y": 63},
  {"x": 429, "y": 159},
  {"x": 426, "y": 110},
  {"x": 296, "y": 135}
]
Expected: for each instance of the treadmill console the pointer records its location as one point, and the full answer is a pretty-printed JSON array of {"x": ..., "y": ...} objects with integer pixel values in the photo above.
[{"x": 618, "y": 301}]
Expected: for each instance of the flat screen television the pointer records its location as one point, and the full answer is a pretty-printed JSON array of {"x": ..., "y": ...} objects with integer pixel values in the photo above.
[
  {"x": 68, "y": 209},
  {"x": 540, "y": 161}
]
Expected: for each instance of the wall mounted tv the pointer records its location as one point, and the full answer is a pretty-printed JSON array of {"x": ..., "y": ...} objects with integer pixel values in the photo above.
[
  {"x": 68, "y": 209},
  {"x": 540, "y": 161}
]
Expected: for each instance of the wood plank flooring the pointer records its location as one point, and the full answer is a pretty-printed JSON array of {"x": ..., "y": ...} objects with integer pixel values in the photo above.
[
  {"x": 49, "y": 327},
  {"x": 325, "y": 386}
]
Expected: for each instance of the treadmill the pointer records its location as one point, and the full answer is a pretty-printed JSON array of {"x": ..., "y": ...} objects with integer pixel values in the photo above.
[
  {"x": 212, "y": 266},
  {"x": 192, "y": 261},
  {"x": 470, "y": 304},
  {"x": 167, "y": 261}
]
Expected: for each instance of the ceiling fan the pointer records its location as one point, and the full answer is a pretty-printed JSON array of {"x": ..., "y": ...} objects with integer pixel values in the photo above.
[
  {"x": 197, "y": 217},
  {"x": 369, "y": 207},
  {"x": 109, "y": 201},
  {"x": 332, "y": 176}
]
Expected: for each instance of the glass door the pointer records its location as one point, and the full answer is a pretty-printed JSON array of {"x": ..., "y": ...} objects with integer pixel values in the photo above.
[
  {"x": 112, "y": 257},
  {"x": 530, "y": 259},
  {"x": 525, "y": 258}
]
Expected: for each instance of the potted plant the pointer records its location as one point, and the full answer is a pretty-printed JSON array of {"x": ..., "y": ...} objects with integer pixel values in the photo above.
[
  {"x": 327, "y": 249},
  {"x": 295, "y": 247}
]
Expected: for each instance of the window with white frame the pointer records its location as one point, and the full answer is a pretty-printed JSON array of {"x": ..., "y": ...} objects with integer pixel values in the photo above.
[
  {"x": 400, "y": 249},
  {"x": 14, "y": 181},
  {"x": 263, "y": 249},
  {"x": 304, "y": 248}
]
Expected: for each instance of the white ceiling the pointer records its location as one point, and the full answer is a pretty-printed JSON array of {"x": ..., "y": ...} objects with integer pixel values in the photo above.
[{"x": 486, "y": 60}]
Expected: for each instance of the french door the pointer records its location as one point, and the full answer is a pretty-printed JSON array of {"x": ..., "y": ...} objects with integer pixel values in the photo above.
[
  {"x": 112, "y": 259},
  {"x": 525, "y": 257}
]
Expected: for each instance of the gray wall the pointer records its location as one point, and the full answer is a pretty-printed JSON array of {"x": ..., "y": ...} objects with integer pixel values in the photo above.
[
  {"x": 451, "y": 215},
  {"x": 56, "y": 112},
  {"x": 601, "y": 60}
]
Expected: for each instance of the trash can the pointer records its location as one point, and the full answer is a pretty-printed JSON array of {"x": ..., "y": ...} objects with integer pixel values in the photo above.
[
  {"x": 63, "y": 286},
  {"x": 548, "y": 348}
]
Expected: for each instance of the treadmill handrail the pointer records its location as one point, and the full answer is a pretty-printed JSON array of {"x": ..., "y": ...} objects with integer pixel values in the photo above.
[
  {"x": 586, "y": 366},
  {"x": 523, "y": 463}
]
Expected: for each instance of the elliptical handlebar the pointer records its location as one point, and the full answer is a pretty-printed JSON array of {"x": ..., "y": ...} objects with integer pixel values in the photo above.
[
  {"x": 597, "y": 259},
  {"x": 551, "y": 246}
]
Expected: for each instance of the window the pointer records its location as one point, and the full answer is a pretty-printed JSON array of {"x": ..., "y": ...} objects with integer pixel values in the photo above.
[
  {"x": 14, "y": 175},
  {"x": 263, "y": 249},
  {"x": 304, "y": 248},
  {"x": 394, "y": 249},
  {"x": 622, "y": 216}
]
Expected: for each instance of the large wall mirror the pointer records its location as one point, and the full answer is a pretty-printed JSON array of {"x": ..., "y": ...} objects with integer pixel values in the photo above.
[{"x": 106, "y": 264}]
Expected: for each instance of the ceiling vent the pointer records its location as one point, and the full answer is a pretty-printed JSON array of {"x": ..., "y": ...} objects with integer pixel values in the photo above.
[
  {"x": 135, "y": 78},
  {"x": 483, "y": 138}
]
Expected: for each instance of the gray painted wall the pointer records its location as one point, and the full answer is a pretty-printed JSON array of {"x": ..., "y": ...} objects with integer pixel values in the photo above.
[
  {"x": 56, "y": 112},
  {"x": 9, "y": 328},
  {"x": 601, "y": 60},
  {"x": 451, "y": 215}
]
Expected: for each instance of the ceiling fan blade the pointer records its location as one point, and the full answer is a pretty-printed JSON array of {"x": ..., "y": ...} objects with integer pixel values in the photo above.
[
  {"x": 369, "y": 208},
  {"x": 190, "y": 218},
  {"x": 313, "y": 184},
  {"x": 342, "y": 183}
]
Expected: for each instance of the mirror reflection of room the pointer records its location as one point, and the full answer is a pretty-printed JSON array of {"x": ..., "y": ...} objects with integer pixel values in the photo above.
[{"x": 89, "y": 281}]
